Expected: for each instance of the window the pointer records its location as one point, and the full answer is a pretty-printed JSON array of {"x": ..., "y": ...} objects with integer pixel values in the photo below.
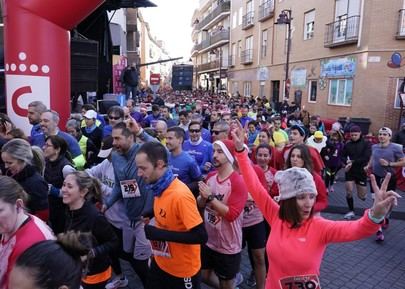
[
  {"x": 264, "y": 44},
  {"x": 312, "y": 90},
  {"x": 309, "y": 25},
  {"x": 249, "y": 42},
  {"x": 249, "y": 6},
  {"x": 240, "y": 16},
  {"x": 247, "y": 88},
  {"x": 340, "y": 91},
  {"x": 400, "y": 84}
]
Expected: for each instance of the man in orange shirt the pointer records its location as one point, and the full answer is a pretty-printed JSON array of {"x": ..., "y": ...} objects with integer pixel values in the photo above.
[{"x": 178, "y": 229}]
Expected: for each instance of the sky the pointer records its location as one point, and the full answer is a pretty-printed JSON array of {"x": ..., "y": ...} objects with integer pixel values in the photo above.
[{"x": 171, "y": 22}]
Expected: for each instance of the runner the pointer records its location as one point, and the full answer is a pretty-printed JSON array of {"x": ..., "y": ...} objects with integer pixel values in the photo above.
[
  {"x": 293, "y": 225},
  {"x": 223, "y": 197},
  {"x": 355, "y": 156},
  {"x": 385, "y": 157},
  {"x": 178, "y": 229}
]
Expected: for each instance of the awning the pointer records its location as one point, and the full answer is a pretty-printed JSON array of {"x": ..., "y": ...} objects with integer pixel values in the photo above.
[{"x": 118, "y": 4}]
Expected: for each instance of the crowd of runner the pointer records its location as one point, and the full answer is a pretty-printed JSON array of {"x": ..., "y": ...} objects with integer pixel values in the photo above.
[{"x": 177, "y": 185}]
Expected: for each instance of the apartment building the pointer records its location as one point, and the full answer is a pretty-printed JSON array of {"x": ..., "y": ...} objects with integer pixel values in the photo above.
[
  {"x": 210, "y": 53},
  {"x": 338, "y": 57}
]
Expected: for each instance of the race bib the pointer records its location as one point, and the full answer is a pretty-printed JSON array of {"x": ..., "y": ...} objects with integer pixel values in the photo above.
[
  {"x": 300, "y": 282},
  {"x": 212, "y": 217},
  {"x": 160, "y": 248},
  {"x": 129, "y": 189}
]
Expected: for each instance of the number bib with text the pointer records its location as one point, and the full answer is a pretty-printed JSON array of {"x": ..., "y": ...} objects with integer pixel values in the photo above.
[
  {"x": 300, "y": 282},
  {"x": 129, "y": 189},
  {"x": 160, "y": 248}
]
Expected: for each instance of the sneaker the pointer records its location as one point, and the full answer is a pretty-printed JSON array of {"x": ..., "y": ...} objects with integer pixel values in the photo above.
[
  {"x": 117, "y": 282},
  {"x": 379, "y": 236},
  {"x": 350, "y": 215},
  {"x": 386, "y": 223},
  {"x": 238, "y": 279},
  {"x": 251, "y": 280},
  {"x": 332, "y": 190}
]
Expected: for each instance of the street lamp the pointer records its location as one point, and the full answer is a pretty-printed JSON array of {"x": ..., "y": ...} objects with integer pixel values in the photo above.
[{"x": 285, "y": 18}]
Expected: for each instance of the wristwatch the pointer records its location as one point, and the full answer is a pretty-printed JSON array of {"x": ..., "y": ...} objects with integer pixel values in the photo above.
[{"x": 210, "y": 198}]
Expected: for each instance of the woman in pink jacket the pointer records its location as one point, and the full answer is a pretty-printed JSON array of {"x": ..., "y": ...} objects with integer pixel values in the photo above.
[{"x": 298, "y": 239}]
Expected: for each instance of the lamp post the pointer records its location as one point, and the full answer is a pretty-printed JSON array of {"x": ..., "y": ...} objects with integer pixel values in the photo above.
[{"x": 285, "y": 18}]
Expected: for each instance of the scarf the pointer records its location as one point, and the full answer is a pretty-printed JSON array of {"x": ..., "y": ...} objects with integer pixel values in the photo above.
[
  {"x": 90, "y": 129},
  {"x": 164, "y": 181}
]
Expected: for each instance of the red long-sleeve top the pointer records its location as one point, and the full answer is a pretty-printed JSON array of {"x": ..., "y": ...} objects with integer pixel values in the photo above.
[{"x": 295, "y": 255}]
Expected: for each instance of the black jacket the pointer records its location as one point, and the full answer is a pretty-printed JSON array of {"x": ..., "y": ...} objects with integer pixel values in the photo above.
[
  {"x": 89, "y": 219},
  {"x": 36, "y": 188}
]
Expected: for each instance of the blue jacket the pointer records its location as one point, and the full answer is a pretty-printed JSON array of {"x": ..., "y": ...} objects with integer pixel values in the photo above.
[{"x": 125, "y": 169}]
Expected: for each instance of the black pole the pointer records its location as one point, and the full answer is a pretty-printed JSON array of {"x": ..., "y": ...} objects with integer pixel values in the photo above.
[
  {"x": 220, "y": 60},
  {"x": 287, "y": 64}
]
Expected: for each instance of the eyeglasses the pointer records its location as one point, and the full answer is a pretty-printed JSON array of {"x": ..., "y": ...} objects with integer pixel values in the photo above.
[
  {"x": 114, "y": 117},
  {"x": 194, "y": 130},
  {"x": 216, "y": 132}
]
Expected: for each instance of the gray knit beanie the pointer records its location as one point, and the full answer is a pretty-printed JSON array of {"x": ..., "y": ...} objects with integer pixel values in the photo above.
[{"x": 294, "y": 181}]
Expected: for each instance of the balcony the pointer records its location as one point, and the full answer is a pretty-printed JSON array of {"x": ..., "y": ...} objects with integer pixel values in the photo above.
[
  {"x": 231, "y": 60},
  {"x": 216, "y": 15},
  {"x": 401, "y": 25},
  {"x": 246, "y": 56},
  {"x": 216, "y": 39},
  {"x": 212, "y": 65},
  {"x": 266, "y": 10},
  {"x": 248, "y": 20},
  {"x": 342, "y": 32}
]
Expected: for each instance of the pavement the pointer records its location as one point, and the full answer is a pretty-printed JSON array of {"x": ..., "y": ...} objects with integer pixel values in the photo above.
[{"x": 363, "y": 264}]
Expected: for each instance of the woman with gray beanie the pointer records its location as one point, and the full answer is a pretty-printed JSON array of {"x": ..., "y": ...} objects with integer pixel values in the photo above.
[{"x": 298, "y": 239}]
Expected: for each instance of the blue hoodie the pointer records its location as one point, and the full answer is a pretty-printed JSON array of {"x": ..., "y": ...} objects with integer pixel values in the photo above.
[{"x": 125, "y": 169}]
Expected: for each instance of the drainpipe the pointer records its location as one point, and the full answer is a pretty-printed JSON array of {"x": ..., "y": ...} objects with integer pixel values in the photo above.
[{"x": 37, "y": 54}]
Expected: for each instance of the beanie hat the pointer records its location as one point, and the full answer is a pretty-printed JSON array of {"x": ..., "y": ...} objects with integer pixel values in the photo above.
[
  {"x": 300, "y": 129},
  {"x": 293, "y": 182},
  {"x": 355, "y": 128},
  {"x": 228, "y": 148},
  {"x": 385, "y": 130}
]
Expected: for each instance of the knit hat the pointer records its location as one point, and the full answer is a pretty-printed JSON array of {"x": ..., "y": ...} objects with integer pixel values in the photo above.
[
  {"x": 293, "y": 182},
  {"x": 300, "y": 129},
  {"x": 355, "y": 128},
  {"x": 228, "y": 148},
  {"x": 385, "y": 130}
]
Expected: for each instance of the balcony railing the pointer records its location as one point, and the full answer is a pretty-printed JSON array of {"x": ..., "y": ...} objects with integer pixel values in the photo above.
[
  {"x": 222, "y": 35},
  {"x": 209, "y": 66},
  {"x": 266, "y": 10},
  {"x": 246, "y": 56},
  {"x": 342, "y": 32},
  {"x": 248, "y": 20},
  {"x": 221, "y": 8},
  {"x": 401, "y": 25}
]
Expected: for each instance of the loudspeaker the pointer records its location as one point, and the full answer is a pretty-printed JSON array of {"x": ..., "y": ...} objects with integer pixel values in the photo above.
[
  {"x": 84, "y": 65},
  {"x": 182, "y": 77}
]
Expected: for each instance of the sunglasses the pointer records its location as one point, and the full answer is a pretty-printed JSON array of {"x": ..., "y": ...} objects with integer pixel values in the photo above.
[
  {"x": 216, "y": 132},
  {"x": 194, "y": 130},
  {"x": 114, "y": 117}
]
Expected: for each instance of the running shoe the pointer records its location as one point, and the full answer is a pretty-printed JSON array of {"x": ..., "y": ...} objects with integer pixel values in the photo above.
[
  {"x": 386, "y": 223},
  {"x": 379, "y": 236},
  {"x": 238, "y": 279},
  {"x": 117, "y": 282},
  {"x": 251, "y": 280},
  {"x": 350, "y": 215},
  {"x": 332, "y": 190}
]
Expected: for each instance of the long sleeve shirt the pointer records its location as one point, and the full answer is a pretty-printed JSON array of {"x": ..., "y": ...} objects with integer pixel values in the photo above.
[{"x": 299, "y": 251}]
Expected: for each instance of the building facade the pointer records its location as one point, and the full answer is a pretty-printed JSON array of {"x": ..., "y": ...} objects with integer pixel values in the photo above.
[
  {"x": 210, "y": 53},
  {"x": 339, "y": 55}
]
